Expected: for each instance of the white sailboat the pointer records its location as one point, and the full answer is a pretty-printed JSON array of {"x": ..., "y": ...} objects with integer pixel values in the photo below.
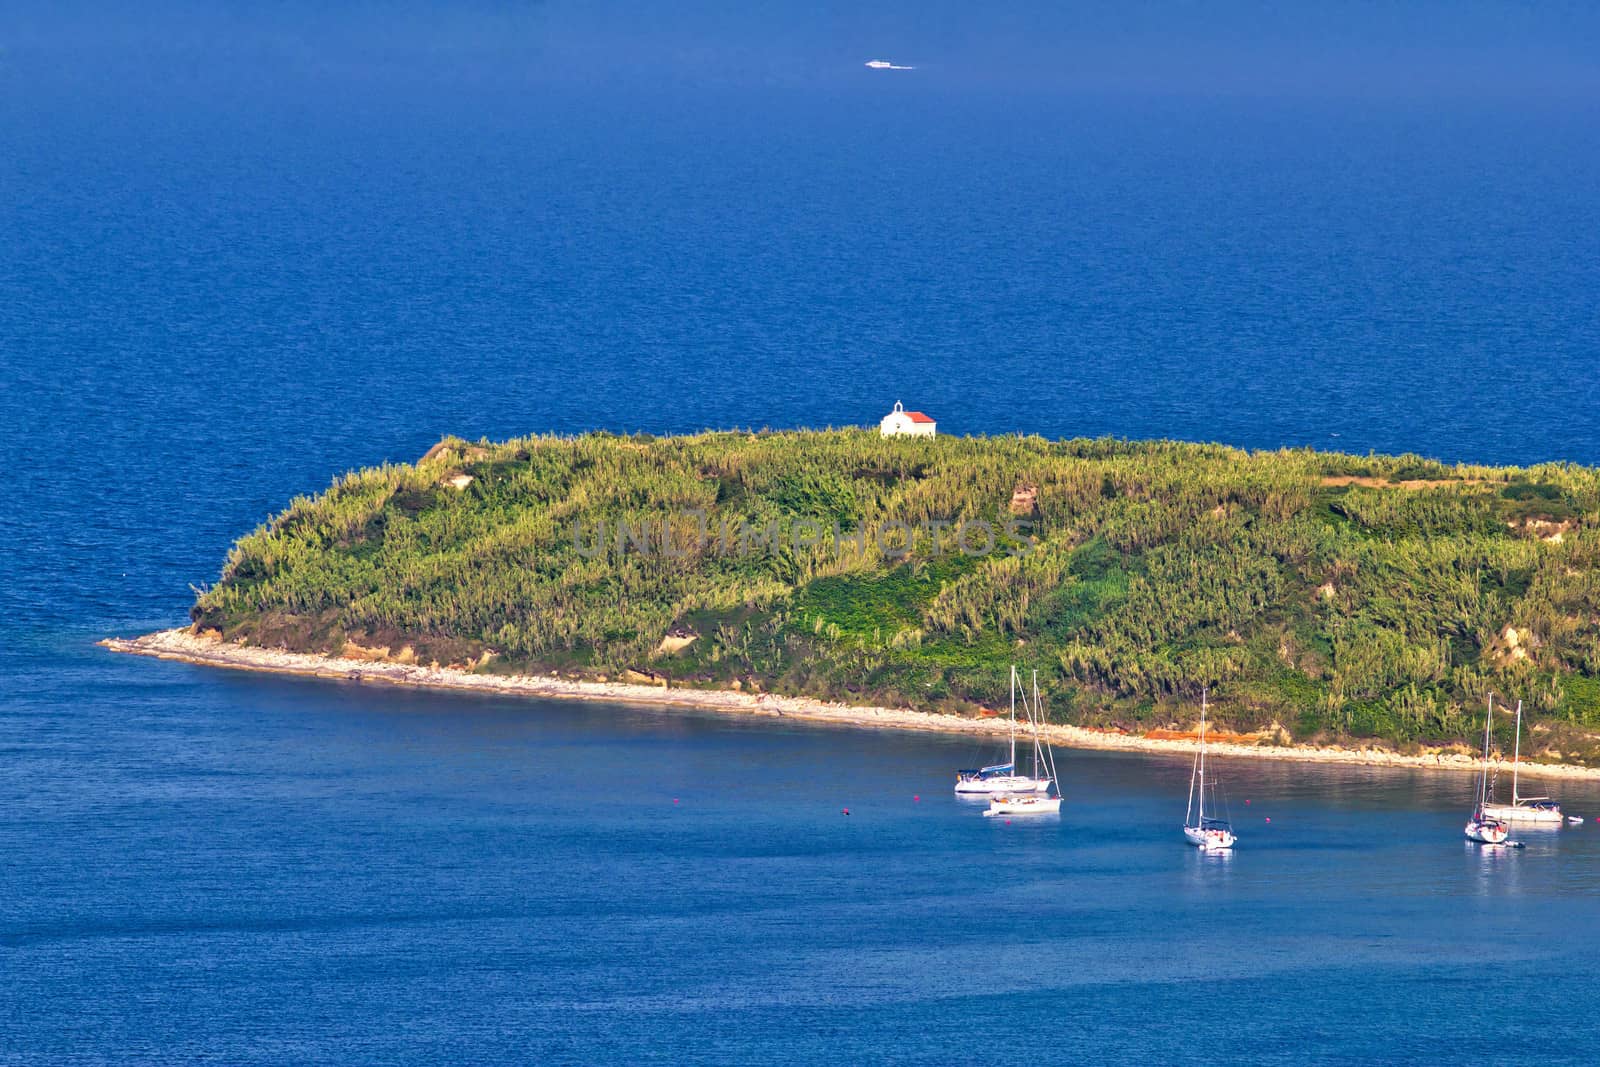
[
  {"x": 1211, "y": 834},
  {"x": 1002, "y": 777},
  {"x": 1035, "y": 801},
  {"x": 1023, "y": 804},
  {"x": 1482, "y": 827},
  {"x": 1523, "y": 809}
]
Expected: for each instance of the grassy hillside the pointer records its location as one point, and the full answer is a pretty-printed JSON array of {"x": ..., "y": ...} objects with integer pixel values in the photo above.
[{"x": 1335, "y": 596}]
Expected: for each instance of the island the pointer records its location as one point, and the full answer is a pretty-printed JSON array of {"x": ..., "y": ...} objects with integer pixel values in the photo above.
[{"x": 1332, "y": 604}]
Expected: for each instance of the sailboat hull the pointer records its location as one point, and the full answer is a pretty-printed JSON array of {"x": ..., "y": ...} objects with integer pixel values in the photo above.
[
  {"x": 1024, "y": 805},
  {"x": 1209, "y": 839},
  {"x": 1524, "y": 814},
  {"x": 983, "y": 787},
  {"x": 1486, "y": 832}
]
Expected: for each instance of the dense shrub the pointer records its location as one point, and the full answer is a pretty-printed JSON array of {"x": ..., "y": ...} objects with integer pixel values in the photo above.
[{"x": 1370, "y": 596}]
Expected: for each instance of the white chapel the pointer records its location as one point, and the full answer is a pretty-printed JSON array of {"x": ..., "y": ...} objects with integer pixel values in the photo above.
[{"x": 911, "y": 423}]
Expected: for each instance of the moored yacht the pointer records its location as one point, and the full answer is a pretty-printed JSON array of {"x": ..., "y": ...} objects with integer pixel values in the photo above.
[
  {"x": 1002, "y": 778},
  {"x": 1540, "y": 810},
  {"x": 1023, "y": 804},
  {"x": 1038, "y": 801},
  {"x": 999, "y": 779},
  {"x": 1486, "y": 831},
  {"x": 1209, "y": 833},
  {"x": 1483, "y": 827}
]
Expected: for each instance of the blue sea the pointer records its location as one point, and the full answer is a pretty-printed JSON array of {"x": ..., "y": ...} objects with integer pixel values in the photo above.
[{"x": 221, "y": 285}]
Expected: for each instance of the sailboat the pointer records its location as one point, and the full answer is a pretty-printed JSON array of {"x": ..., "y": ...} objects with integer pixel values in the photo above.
[
  {"x": 1523, "y": 809},
  {"x": 1002, "y": 777},
  {"x": 1482, "y": 827},
  {"x": 1211, "y": 834},
  {"x": 1039, "y": 801}
]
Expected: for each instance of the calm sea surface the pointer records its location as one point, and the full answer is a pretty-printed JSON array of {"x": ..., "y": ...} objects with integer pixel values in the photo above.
[{"x": 207, "y": 309}]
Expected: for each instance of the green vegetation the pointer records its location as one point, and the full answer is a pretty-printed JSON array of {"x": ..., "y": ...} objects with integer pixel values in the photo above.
[{"x": 1335, "y": 596}]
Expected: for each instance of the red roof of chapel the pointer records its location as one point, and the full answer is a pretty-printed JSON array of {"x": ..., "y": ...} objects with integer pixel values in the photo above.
[{"x": 917, "y": 416}]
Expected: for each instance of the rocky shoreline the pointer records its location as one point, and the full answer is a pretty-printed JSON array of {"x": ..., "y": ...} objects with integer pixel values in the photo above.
[{"x": 188, "y": 647}]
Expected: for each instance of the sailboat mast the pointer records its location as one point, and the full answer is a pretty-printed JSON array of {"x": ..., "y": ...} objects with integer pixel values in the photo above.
[
  {"x": 1013, "y": 718},
  {"x": 1034, "y": 717},
  {"x": 1189, "y": 810},
  {"x": 1483, "y": 775},
  {"x": 1202, "y": 821},
  {"x": 1516, "y": 757}
]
